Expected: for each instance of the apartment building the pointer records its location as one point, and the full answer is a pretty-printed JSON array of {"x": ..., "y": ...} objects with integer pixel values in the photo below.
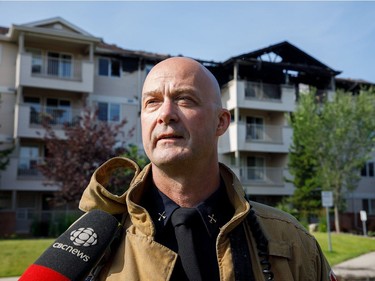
[
  {"x": 54, "y": 67},
  {"x": 260, "y": 89}
]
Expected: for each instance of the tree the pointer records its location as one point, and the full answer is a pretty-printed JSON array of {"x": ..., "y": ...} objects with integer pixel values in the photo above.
[
  {"x": 303, "y": 160},
  {"x": 332, "y": 141},
  {"x": 70, "y": 161},
  {"x": 120, "y": 178},
  {"x": 4, "y": 154},
  {"x": 4, "y": 157}
]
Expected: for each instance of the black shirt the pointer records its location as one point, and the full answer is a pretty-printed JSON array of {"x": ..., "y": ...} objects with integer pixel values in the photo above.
[{"x": 215, "y": 211}]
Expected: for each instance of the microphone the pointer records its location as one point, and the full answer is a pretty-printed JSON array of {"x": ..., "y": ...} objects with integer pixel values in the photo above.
[{"x": 77, "y": 251}]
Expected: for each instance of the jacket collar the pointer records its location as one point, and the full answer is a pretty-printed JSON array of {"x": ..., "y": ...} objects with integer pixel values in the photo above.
[
  {"x": 143, "y": 221},
  {"x": 96, "y": 196}
]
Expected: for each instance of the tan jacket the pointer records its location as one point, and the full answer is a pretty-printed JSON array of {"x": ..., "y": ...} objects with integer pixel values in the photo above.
[{"x": 294, "y": 253}]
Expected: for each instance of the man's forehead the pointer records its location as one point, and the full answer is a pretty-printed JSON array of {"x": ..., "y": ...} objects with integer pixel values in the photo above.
[{"x": 171, "y": 80}]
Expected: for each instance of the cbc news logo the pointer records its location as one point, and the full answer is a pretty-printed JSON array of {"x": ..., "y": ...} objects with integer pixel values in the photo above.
[{"x": 84, "y": 237}]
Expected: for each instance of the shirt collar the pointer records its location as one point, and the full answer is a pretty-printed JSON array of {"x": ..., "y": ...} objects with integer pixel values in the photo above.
[{"x": 215, "y": 211}]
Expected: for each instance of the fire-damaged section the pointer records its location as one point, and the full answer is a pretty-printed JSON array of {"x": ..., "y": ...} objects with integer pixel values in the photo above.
[
  {"x": 280, "y": 63},
  {"x": 129, "y": 60}
]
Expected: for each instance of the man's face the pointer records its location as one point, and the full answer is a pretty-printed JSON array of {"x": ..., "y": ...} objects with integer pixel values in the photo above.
[{"x": 179, "y": 114}]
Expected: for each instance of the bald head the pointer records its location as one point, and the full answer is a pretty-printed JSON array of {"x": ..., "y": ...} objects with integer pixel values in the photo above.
[{"x": 181, "y": 67}]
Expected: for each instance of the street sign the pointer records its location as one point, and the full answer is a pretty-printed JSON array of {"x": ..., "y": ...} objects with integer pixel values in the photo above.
[
  {"x": 363, "y": 215},
  {"x": 327, "y": 199}
]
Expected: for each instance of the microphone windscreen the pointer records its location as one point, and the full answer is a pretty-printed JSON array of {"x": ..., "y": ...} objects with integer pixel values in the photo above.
[{"x": 76, "y": 252}]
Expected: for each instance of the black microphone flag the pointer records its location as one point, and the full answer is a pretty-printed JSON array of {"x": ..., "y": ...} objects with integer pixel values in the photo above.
[{"x": 77, "y": 251}]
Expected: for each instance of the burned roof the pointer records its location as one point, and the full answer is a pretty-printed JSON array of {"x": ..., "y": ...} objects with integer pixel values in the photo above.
[
  {"x": 4, "y": 30},
  {"x": 352, "y": 85},
  {"x": 105, "y": 48},
  {"x": 285, "y": 55}
]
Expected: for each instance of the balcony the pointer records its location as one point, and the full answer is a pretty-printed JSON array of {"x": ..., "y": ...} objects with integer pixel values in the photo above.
[
  {"x": 29, "y": 119},
  {"x": 251, "y": 137},
  {"x": 264, "y": 133},
  {"x": 262, "y": 176},
  {"x": 28, "y": 168},
  {"x": 259, "y": 96},
  {"x": 264, "y": 180},
  {"x": 54, "y": 73},
  {"x": 22, "y": 174}
]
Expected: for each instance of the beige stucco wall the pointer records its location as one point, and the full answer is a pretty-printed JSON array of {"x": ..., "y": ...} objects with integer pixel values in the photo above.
[{"x": 8, "y": 57}]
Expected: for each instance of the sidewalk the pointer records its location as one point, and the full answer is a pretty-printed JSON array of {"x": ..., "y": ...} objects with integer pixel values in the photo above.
[{"x": 360, "y": 268}]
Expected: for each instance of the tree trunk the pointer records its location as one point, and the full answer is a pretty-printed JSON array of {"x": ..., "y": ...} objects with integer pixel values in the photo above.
[{"x": 337, "y": 219}]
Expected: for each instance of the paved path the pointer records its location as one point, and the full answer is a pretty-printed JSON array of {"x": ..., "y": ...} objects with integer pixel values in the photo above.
[{"x": 360, "y": 268}]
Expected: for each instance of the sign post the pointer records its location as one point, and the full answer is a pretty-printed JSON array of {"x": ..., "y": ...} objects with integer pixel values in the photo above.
[
  {"x": 327, "y": 201},
  {"x": 364, "y": 219}
]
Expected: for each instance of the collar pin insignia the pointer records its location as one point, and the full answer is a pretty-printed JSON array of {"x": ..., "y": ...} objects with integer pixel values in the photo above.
[
  {"x": 162, "y": 216},
  {"x": 212, "y": 219}
]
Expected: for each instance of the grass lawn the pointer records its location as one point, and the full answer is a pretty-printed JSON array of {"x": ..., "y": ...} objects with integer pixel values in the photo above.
[
  {"x": 17, "y": 255},
  {"x": 344, "y": 246}
]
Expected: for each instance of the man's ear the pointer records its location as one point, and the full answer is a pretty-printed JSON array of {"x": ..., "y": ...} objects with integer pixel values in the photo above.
[{"x": 224, "y": 121}]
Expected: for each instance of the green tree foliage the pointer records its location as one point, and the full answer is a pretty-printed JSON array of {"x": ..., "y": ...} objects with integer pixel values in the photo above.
[
  {"x": 71, "y": 161},
  {"x": 4, "y": 157},
  {"x": 303, "y": 160},
  {"x": 120, "y": 178},
  {"x": 332, "y": 140},
  {"x": 4, "y": 154}
]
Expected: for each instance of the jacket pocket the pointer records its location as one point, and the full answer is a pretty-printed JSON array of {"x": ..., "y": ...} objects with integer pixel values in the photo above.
[{"x": 279, "y": 249}]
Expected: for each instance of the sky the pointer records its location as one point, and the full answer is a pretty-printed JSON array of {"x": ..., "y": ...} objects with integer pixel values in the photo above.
[{"x": 340, "y": 34}]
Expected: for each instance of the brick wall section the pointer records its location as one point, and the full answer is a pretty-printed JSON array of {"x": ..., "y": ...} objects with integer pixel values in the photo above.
[{"x": 7, "y": 223}]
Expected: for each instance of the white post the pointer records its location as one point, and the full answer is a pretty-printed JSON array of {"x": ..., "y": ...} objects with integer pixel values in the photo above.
[
  {"x": 329, "y": 231},
  {"x": 327, "y": 201},
  {"x": 363, "y": 215}
]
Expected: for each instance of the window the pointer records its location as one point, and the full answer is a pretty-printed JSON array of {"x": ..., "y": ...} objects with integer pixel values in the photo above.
[
  {"x": 255, "y": 168},
  {"x": 28, "y": 161},
  {"x": 109, "y": 67},
  {"x": 369, "y": 206},
  {"x": 368, "y": 170},
  {"x": 255, "y": 128},
  {"x": 109, "y": 112},
  {"x": 5, "y": 200},
  {"x": 35, "y": 109},
  {"x": 59, "y": 65},
  {"x": 36, "y": 61},
  {"x": 59, "y": 110}
]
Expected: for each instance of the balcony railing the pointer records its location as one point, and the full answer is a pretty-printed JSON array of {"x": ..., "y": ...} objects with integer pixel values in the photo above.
[
  {"x": 264, "y": 133},
  {"x": 262, "y": 91},
  {"x": 28, "y": 167},
  {"x": 54, "y": 116},
  {"x": 262, "y": 175},
  {"x": 56, "y": 67}
]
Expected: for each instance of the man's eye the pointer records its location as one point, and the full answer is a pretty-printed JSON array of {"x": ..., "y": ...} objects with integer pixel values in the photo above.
[
  {"x": 185, "y": 100},
  {"x": 151, "y": 101}
]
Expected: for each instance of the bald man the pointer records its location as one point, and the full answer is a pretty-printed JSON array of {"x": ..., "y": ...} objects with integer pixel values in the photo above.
[{"x": 222, "y": 236}]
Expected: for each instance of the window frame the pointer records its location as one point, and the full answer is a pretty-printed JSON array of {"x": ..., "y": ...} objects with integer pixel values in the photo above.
[
  {"x": 110, "y": 112},
  {"x": 109, "y": 71}
]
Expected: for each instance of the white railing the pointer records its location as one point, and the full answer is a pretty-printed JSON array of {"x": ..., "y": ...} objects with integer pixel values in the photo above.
[
  {"x": 56, "y": 67},
  {"x": 28, "y": 167},
  {"x": 264, "y": 133},
  {"x": 44, "y": 223},
  {"x": 262, "y": 91},
  {"x": 262, "y": 175},
  {"x": 54, "y": 116}
]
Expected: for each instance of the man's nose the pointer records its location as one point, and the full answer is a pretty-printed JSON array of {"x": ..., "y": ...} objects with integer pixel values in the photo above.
[{"x": 168, "y": 112}]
